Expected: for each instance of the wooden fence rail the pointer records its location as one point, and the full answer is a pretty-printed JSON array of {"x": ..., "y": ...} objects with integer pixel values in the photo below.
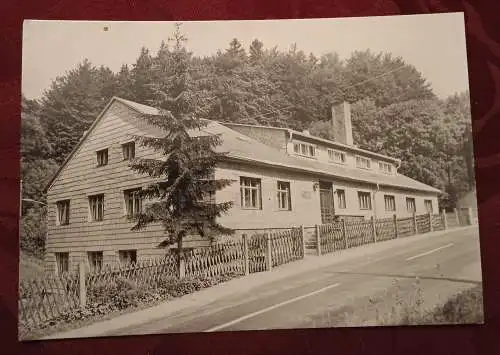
[
  {"x": 41, "y": 300},
  {"x": 44, "y": 299},
  {"x": 342, "y": 235}
]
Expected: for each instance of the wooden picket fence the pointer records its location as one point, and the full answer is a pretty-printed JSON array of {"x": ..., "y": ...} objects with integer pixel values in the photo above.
[
  {"x": 341, "y": 235},
  {"x": 145, "y": 274},
  {"x": 257, "y": 253},
  {"x": 286, "y": 247},
  {"x": 216, "y": 260},
  {"x": 41, "y": 300},
  {"x": 44, "y": 299},
  {"x": 359, "y": 233},
  {"x": 385, "y": 229}
]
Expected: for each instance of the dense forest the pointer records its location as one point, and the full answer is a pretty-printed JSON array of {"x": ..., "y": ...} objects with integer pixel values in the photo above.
[{"x": 394, "y": 110}]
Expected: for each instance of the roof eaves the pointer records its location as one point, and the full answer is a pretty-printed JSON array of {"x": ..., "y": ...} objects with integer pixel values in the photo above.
[{"x": 326, "y": 173}]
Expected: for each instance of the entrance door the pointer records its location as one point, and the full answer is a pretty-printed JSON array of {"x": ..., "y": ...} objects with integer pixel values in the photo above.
[{"x": 326, "y": 202}]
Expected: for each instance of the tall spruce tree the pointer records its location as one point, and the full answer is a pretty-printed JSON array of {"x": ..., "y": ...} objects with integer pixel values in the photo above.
[{"x": 182, "y": 196}]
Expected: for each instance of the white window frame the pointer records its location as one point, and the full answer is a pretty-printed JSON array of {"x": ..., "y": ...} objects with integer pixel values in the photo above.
[
  {"x": 341, "y": 201},
  {"x": 247, "y": 186},
  {"x": 284, "y": 196},
  {"x": 102, "y": 157},
  {"x": 131, "y": 195},
  {"x": 360, "y": 158},
  {"x": 362, "y": 198},
  {"x": 60, "y": 256},
  {"x": 305, "y": 149},
  {"x": 427, "y": 204},
  {"x": 336, "y": 156},
  {"x": 127, "y": 149},
  {"x": 390, "y": 203},
  {"x": 411, "y": 201},
  {"x": 63, "y": 208},
  {"x": 98, "y": 200},
  {"x": 384, "y": 167}
]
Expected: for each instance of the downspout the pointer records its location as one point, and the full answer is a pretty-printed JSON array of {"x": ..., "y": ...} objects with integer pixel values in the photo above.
[
  {"x": 375, "y": 201},
  {"x": 398, "y": 166},
  {"x": 289, "y": 140}
]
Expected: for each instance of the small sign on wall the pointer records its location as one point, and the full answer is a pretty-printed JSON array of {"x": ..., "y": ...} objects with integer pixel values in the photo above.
[{"x": 306, "y": 195}]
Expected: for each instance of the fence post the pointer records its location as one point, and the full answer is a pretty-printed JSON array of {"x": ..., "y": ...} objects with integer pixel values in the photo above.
[
  {"x": 246, "y": 264},
  {"x": 457, "y": 217},
  {"x": 469, "y": 216},
  {"x": 318, "y": 239},
  {"x": 83, "y": 288},
  {"x": 374, "y": 230},
  {"x": 415, "y": 226},
  {"x": 182, "y": 264},
  {"x": 443, "y": 218},
  {"x": 430, "y": 222},
  {"x": 344, "y": 233},
  {"x": 396, "y": 232},
  {"x": 303, "y": 236},
  {"x": 269, "y": 261}
]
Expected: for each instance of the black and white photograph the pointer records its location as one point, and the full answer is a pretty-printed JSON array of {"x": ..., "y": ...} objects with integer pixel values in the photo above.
[{"x": 214, "y": 176}]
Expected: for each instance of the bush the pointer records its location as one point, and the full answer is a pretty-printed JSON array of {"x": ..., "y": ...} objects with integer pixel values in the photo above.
[
  {"x": 104, "y": 297},
  {"x": 120, "y": 293}
]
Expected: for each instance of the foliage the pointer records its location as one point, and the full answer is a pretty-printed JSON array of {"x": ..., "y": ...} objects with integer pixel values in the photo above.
[
  {"x": 36, "y": 168},
  {"x": 104, "y": 298},
  {"x": 72, "y": 103},
  {"x": 185, "y": 181},
  {"x": 33, "y": 230},
  {"x": 267, "y": 86}
]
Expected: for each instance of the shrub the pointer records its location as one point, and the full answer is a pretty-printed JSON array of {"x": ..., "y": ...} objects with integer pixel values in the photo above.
[{"x": 121, "y": 293}]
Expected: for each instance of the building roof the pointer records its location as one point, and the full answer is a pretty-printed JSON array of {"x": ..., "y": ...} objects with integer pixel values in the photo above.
[
  {"x": 352, "y": 148},
  {"x": 242, "y": 148}
]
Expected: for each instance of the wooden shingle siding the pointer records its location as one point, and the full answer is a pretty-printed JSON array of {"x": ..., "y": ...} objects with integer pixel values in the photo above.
[{"x": 81, "y": 178}]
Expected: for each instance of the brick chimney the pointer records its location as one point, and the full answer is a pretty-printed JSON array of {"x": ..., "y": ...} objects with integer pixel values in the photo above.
[{"x": 341, "y": 122}]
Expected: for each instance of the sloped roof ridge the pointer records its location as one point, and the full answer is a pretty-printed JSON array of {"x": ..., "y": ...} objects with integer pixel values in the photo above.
[{"x": 244, "y": 149}]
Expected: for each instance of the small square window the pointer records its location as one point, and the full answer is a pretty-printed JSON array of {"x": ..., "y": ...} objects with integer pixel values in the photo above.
[
  {"x": 62, "y": 212},
  {"x": 127, "y": 256},
  {"x": 365, "y": 200},
  {"x": 251, "y": 193},
  {"x": 62, "y": 262},
  {"x": 428, "y": 206},
  {"x": 133, "y": 202},
  {"x": 284, "y": 200},
  {"x": 341, "y": 199},
  {"x": 95, "y": 260},
  {"x": 390, "y": 203},
  {"x": 363, "y": 163},
  {"x": 128, "y": 151},
  {"x": 410, "y": 205},
  {"x": 102, "y": 157},
  {"x": 96, "y": 207}
]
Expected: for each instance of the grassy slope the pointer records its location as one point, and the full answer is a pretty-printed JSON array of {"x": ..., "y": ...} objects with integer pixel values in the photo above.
[{"x": 30, "y": 266}]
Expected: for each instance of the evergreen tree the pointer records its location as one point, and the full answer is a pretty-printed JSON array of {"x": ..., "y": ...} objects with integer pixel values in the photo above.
[
  {"x": 125, "y": 84},
  {"x": 71, "y": 104},
  {"x": 256, "y": 51},
  {"x": 36, "y": 169},
  {"x": 142, "y": 78},
  {"x": 182, "y": 198},
  {"x": 384, "y": 79}
]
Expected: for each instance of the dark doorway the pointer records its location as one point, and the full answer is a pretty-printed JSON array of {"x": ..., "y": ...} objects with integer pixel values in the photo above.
[{"x": 326, "y": 202}]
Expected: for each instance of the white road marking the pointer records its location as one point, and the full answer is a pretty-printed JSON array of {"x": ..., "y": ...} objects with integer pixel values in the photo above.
[
  {"x": 430, "y": 251},
  {"x": 270, "y": 308}
]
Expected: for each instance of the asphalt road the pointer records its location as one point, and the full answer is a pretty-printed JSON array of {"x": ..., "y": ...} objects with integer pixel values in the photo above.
[{"x": 357, "y": 292}]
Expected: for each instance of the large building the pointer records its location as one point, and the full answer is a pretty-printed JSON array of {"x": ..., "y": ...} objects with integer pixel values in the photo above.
[{"x": 284, "y": 178}]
